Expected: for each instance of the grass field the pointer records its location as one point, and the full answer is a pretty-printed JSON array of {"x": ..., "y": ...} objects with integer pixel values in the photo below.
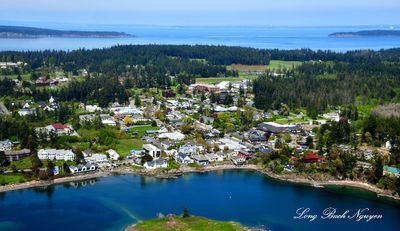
[
  {"x": 126, "y": 145},
  {"x": 247, "y": 68},
  {"x": 279, "y": 64},
  {"x": 11, "y": 179},
  {"x": 141, "y": 129},
  {"x": 23, "y": 164},
  {"x": 23, "y": 76},
  {"x": 177, "y": 223},
  {"x": 217, "y": 80}
]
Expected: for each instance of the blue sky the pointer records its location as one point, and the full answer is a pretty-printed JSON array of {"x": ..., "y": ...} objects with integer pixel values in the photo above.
[{"x": 204, "y": 12}]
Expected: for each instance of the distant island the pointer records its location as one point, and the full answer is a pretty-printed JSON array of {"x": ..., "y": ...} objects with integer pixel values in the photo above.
[
  {"x": 367, "y": 33},
  {"x": 32, "y": 32}
]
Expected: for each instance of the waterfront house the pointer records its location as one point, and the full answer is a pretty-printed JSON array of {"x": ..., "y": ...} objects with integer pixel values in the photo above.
[
  {"x": 113, "y": 154},
  {"x": 56, "y": 154},
  {"x": 17, "y": 155},
  {"x": 313, "y": 158},
  {"x": 96, "y": 158},
  {"x": 158, "y": 163},
  {"x": 201, "y": 159},
  {"x": 151, "y": 150},
  {"x": 245, "y": 154},
  {"x": 82, "y": 168},
  {"x": 238, "y": 161},
  {"x": 183, "y": 159}
]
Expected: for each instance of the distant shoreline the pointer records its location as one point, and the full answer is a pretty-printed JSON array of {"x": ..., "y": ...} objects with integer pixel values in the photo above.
[
  {"x": 20, "y": 32},
  {"x": 290, "y": 178},
  {"x": 366, "y": 33}
]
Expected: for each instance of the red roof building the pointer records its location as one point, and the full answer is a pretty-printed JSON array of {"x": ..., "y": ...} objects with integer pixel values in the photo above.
[{"x": 311, "y": 158}]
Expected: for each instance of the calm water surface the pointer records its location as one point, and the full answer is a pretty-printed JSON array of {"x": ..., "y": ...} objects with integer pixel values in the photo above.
[
  {"x": 251, "y": 36},
  {"x": 112, "y": 203}
]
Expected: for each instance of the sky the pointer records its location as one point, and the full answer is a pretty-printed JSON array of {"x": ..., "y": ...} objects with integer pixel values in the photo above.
[{"x": 201, "y": 12}]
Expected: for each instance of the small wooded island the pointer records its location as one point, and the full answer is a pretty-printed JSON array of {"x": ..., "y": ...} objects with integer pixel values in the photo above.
[
  {"x": 180, "y": 223},
  {"x": 367, "y": 33},
  {"x": 32, "y": 32}
]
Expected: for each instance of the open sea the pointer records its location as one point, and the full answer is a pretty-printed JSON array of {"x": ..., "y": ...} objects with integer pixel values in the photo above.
[{"x": 315, "y": 38}]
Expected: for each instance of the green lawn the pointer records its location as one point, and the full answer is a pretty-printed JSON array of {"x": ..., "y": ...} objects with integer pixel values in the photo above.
[
  {"x": 124, "y": 146},
  {"x": 23, "y": 76},
  {"x": 217, "y": 80},
  {"x": 23, "y": 164},
  {"x": 141, "y": 129},
  {"x": 279, "y": 64},
  {"x": 11, "y": 179},
  {"x": 178, "y": 223}
]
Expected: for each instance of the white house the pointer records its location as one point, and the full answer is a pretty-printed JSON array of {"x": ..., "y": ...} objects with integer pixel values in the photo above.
[
  {"x": 5, "y": 145},
  {"x": 158, "y": 163},
  {"x": 113, "y": 154},
  {"x": 61, "y": 129},
  {"x": 189, "y": 149},
  {"x": 183, "y": 159},
  {"x": 96, "y": 158},
  {"x": 82, "y": 168},
  {"x": 56, "y": 154},
  {"x": 177, "y": 136},
  {"x": 92, "y": 108},
  {"x": 151, "y": 150}
]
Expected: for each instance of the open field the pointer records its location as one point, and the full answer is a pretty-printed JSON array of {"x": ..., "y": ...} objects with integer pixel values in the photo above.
[
  {"x": 11, "y": 179},
  {"x": 23, "y": 76},
  {"x": 217, "y": 80},
  {"x": 279, "y": 64},
  {"x": 126, "y": 145},
  {"x": 141, "y": 129},
  {"x": 247, "y": 68}
]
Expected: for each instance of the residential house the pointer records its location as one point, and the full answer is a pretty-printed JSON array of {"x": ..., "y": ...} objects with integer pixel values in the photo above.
[
  {"x": 313, "y": 158},
  {"x": 107, "y": 120},
  {"x": 158, "y": 163},
  {"x": 183, "y": 158},
  {"x": 276, "y": 128},
  {"x": 189, "y": 149},
  {"x": 27, "y": 111},
  {"x": 151, "y": 150},
  {"x": 5, "y": 145},
  {"x": 245, "y": 154},
  {"x": 176, "y": 135},
  {"x": 17, "y": 155},
  {"x": 96, "y": 158},
  {"x": 56, "y": 154},
  {"x": 238, "y": 161},
  {"x": 113, "y": 154},
  {"x": 60, "y": 129},
  {"x": 201, "y": 159},
  {"x": 82, "y": 168}
]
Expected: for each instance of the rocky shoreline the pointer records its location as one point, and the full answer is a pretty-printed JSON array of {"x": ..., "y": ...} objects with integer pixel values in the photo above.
[{"x": 314, "y": 181}]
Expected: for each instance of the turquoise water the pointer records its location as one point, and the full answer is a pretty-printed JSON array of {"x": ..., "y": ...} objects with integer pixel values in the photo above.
[
  {"x": 251, "y": 36},
  {"x": 114, "y": 202}
]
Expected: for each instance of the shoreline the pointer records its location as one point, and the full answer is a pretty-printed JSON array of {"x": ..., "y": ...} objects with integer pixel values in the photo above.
[{"x": 290, "y": 178}]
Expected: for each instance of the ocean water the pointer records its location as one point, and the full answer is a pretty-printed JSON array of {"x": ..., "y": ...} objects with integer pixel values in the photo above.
[
  {"x": 315, "y": 38},
  {"x": 114, "y": 202}
]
